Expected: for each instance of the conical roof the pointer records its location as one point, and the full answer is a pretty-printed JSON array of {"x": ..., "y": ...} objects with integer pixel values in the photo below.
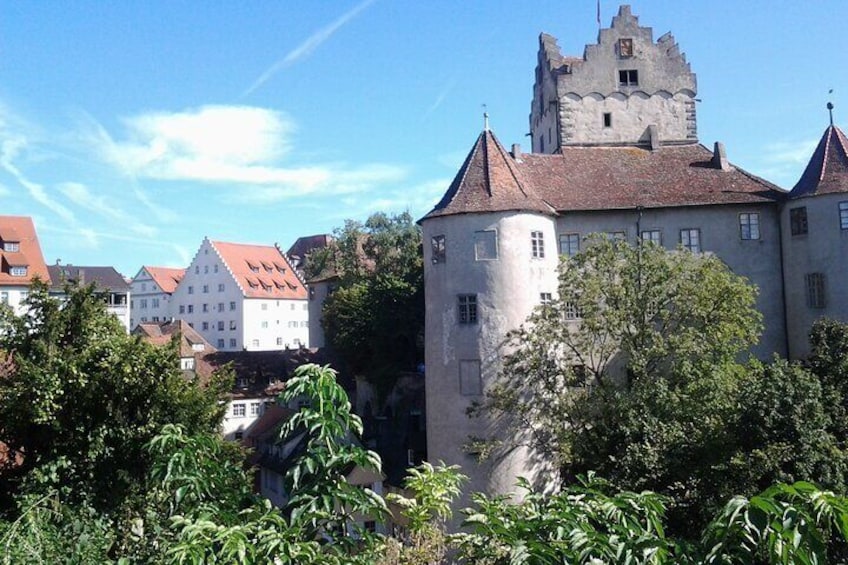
[
  {"x": 827, "y": 171},
  {"x": 489, "y": 181}
]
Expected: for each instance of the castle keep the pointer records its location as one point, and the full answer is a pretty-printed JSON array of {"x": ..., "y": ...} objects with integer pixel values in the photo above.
[{"x": 614, "y": 150}]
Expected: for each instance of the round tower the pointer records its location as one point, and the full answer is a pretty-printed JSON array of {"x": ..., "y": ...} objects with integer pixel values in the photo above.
[{"x": 490, "y": 258}]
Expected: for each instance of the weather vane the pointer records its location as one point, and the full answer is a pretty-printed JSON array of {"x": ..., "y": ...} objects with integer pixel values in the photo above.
[{"x": 830, "y": 108}]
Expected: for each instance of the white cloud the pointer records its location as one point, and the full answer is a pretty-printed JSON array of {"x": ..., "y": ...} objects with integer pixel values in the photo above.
[
  {"x": 307, "y": 47},
  {"x": 240, "y": 146},
  {"x": 790, "y": 152},
  {"x": 417, "y": 200},
  {"x": 4, "y": 191},
  {"x": 80, "y": 195}
]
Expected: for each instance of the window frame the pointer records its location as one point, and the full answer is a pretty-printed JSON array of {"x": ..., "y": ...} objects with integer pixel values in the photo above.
[
  {"x": 753, "y": 227},
  {"x": 816, "y": 291},
  {"x": 798, "y": 221},
  {"x": 698, "y": 247},
  {"x": 438, "y": 249},
  {"x": 468, "y": 309},
  {"x": 568, "y": 236},
  {"x": 650, "y": 238},
  {"x": 628, "y": 77},
  {"x": 537, "y": 244},
  {"x": 477, "y": 256},
  {"x": 843, "y": 215}
]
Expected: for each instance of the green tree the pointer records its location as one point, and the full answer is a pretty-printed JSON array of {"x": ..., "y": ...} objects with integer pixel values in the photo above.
[
  {"x": 80, "y": 399},
  {"x": 375, "y": 318}
]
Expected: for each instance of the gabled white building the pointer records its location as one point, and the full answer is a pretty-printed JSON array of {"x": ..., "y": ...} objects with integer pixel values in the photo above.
[
  {"x": 21, "y": 260},
  {"x": 243, "y": 297},
  {"x": 152, "y": 288}
]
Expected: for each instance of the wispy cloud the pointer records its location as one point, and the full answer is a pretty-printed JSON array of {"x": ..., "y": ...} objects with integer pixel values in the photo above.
[
  {"x": 782, "y": 162},
  {"x": 443, "y": 94},
  {"x": 307, "y": 47},
  {"x": 80, "y": 195},
  {"x": 418, "y": 199},
  {"x": 231, "y": 146},
  {"x": 4, "y": 191}
]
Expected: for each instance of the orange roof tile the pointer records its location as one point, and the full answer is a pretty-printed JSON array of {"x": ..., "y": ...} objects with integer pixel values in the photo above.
[
  {"x": 20, "y": 230},
  {"x": 262, "y": 271},
  {"x": 166, "y": 278}
]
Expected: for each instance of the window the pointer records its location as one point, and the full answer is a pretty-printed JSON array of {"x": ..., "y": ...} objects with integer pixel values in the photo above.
[
  {"x": 537, "y": 244},
  {"x": 798, "y": 220},
  {"x": 221, "y": 346},
  {"x": 206, "y": 289},
  {"x": 572, "y": 311},
  {"x": 205, "y": 307},
  {"x": 625, "y": 47},
  {"x": 18, "y": 271},
  {"x": 470, "y": 383},
  {"x": 264, "y": 324},
  {"x": 143, "y": 285},
  {"x": 467, "y": 308},
  {"x": 749, "y": 226},
  {"x": 205, "y": 269},
  {"x": 607, "y": 119},
  {"x": 191, "y": 290},
  {"x": 652, "y": 236},
  {"x": 485, "y": 245},
  {"x": 221, "y": 325},
  {"x": 239, "y": 409},
  {"x": 569, "y": 244},
  {"x": 691, "y": 239},
  {"x": 279, "y": 341},
  {"x": 628, "y": 78},
  {"x": 616, "y": 235},
  {"x": 155, "y": 302},
  {"x": 11, "y": 246},
  {"x": 232, "y": 324},
  {"x": 182, "y": 309},
  {"x": 437, "y": 244},
  {"x": 187, "y": 363},
  {"x": 263, "y": 306},
  {"x": 254, "y": 408},
  {"x": 255, "y": 343},
  {"x": 220, "y": 287},
  {"x": 220, "y": 307},
  {"x": 190, "y": 308},
  {"x": 232, "y": 342},
  {"x": 232, "y": 306},
  {"x": 142, "y": 303},
  {"x": 215, "y": 269},
  {"x": 843, "y": 215},
  {"x": 545, "y": 298},
  {"x": 205, "y": 326},
  {"x": 197, "y": 269},
  {"x": 238, "y": 436},
  {"x": 815, "y": 290},
  {"x": 4, "y": 297}
]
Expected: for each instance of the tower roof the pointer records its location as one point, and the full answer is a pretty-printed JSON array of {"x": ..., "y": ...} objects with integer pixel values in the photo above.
[
  {"x": 489, "y": 181},
  {"x": 827, "y": 171}
]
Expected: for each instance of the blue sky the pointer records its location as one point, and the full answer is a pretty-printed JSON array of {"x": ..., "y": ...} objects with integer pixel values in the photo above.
[{"x": 131, "y": 130}]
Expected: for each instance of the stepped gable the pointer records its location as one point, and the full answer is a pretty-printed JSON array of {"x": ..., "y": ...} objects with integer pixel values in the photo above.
[
  {"x": 827, "y": 171},
  {"x": 605, "y": 178},
  {"x": 166, "y": 278},
  {"x": 19, "y": 248},
  {"x": 489, "y": 180},
  {"x": 262, "y": 271}
]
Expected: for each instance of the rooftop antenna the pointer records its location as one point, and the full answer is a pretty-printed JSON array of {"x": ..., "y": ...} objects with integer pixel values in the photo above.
[
  {"x": 485, "y": 119},
  {"x": 830, "y": 108}
]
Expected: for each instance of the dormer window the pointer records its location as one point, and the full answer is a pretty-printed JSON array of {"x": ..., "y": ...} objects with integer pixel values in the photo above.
[
  {"x": 11, "y": 246},
  {"x": 628, "y": 78},
  {"x": 625, "y": 47},
  {"x": 18, "y": 271}
]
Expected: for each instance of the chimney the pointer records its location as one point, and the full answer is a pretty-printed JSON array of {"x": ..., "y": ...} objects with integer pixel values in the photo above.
[
  {"x": 81, "y": 277},
  {"x": 653, "y": 136},
  {"x": 720, "y": 157},
  {"x": 516, "y": 151}
]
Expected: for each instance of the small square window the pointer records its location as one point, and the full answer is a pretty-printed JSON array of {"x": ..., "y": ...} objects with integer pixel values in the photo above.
[
  {"x": 232, "y": 342},
  {"x": 545, "y": 298},
  {"x": 798, "y": 220},
  {"x": 205, "y": 307},
  {"x": 220, "y": 287},
  {"x": 232, "y": 324},
  {"x": 628, "y": 77},
  {"x": 625, "y": 47},
  {"x": 239, "y": 410},
  {"x": 691, "y": 239},
  {"x": 221, "y": 325},
  {"x": 749, "y": 226},
  {"x": 221, "y": 345},
  {"x": 182, "y": 309},
  {"x": 437, "y": 244},
  {"x": 607, "y": 119},
  {"x": 652, "y": 236},
  {"x": 843, "y": 215},
  {"x": 572, "y": 310},
  {"x": 232, "y": 306},
  {"x": 485, "y": 245},
  {"x": 467, "y": 308},
  {"x": 569, "y": 244},
  {"x": 220, "y": 307},
  {"x": 205, "y": 326},
  {"x": 190, "y": 308}
]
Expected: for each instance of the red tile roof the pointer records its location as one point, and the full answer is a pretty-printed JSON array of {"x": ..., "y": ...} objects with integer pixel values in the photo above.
[
  {"x": 20, "y": 229},
  {"x": 261, "y": 270},
  {"x": 161, "y": 333},
  {"x": 165, "y": 277},
  {"x": 490, "y": 180},
  {"x": 827, "y": 171},
  {"x": 597, "y": 178}
]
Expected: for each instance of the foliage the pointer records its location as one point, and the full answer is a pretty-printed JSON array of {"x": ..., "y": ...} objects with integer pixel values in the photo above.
[
  {"x": 81, "y": 399},
  {"x": 375, "y": 318}
]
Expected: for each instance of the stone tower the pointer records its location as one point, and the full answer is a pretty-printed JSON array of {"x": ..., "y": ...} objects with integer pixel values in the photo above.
[
  {"x": 489, "y": 257},
  {"x": 626, "y": 89}
]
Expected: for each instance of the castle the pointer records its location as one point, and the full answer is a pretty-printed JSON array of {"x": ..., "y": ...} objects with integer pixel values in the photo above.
[{"x": 614, "y": 150}]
